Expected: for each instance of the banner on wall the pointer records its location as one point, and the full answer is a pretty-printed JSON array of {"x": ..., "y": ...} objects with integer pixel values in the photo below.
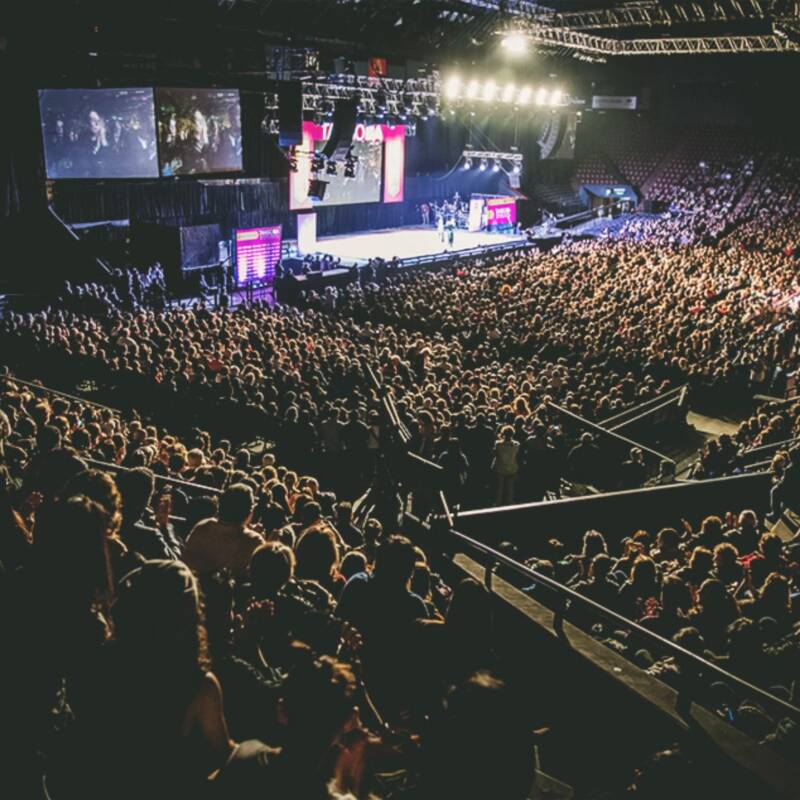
[{"x": 613, "y": 102}]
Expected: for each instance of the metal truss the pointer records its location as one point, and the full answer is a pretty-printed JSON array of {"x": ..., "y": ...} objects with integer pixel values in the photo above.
[
  {"x": 600, "y": 45},
  {"x": 652, "y": 14},
  {"x": 414, "y": 97},
  {"x": 514, "y": 156}
]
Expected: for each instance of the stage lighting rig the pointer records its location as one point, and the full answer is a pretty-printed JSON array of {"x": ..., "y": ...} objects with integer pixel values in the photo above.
[
  {"x": 350, "y": 164},
  {"x": 475, "y": 93},
  {"x": 388, "y": 97},
  {"x": 498, "y": 158},
  {"x": 515, "y": 43},
  {"x": 317, "y": 162},
  {"x": 331, "y": 168}
]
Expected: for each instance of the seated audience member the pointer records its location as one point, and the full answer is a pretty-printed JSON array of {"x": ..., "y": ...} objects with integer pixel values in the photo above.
[
  {"x": 136, "y": 487},
  {"x": 224, "y": 542}
]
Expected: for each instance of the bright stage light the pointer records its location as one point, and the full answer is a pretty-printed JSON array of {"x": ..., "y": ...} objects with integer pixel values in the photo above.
[
  {"x": 541, "y": 97},
  {"x": 524, "y": 95},
  {"x": 517, "y": 168},
  {"x": 473, "y": 89},
  {"x": 509, "y": 92},
  {"x": 515, "y": 43},
  {"x": 484, "y": 164},
  {"x": 489, "y": 91},
  {"x": 497, "y": 165},
  {"x": 555, "y": 97},
  {"x": 452, "y": 88},
  {"x": 467, "y": 163}
]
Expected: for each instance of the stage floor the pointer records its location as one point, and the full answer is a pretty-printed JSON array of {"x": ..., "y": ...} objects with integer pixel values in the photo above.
[{"x": 404, "y": 243}]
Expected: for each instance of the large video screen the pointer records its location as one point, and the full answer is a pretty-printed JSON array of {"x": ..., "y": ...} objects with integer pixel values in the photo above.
[
  {"x": 199, "y": 131},
  {"x": 365, "y": 185},
  {"x": 98, "y": 133}
]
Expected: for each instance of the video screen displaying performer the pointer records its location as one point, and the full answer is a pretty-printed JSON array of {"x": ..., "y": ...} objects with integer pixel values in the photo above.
[
  {"x": 98, "y": 133},
  {"x": 199, "y": 131}
]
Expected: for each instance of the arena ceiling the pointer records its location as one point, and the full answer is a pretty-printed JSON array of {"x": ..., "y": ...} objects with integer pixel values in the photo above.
[{"x": 598, "y": 27}]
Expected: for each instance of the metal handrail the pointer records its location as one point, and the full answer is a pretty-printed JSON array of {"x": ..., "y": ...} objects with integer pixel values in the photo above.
[
  {"x": 787, "y": 443},
  {"x": 59, "y": 393},
  {"x": 643, "y": 405},
  {"x": 565, "y": 593},
  {"x": 594, "y": 426},
  {"x": 163, "y": 478},
  {"x": 646, "y": 413}
]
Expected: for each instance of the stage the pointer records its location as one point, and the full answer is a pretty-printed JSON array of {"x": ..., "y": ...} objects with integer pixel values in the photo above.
[{"x": 419, "y": 242}]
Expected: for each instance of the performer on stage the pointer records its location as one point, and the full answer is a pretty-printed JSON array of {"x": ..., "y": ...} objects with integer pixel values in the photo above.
[
  {"x": 450, "y": 226},
  {"x": 440, "y": 226},
  {"x": 425, "y": 210}
]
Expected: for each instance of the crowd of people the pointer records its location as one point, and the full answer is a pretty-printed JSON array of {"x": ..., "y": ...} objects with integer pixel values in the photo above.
[
  {"x": 126, "y": 289},
  {"x": 724, "y": 588},
  {"x": 199, "y": 606}
]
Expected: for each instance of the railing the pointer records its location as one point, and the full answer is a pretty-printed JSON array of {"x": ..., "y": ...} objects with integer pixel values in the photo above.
[
  {"x": 47, "y": 390},
  {"x": 569, "y": 598},
  {"x": 640, "y": 411},
  {"x": 762, "y": 452},
  {"x": 195, "y": 487}
]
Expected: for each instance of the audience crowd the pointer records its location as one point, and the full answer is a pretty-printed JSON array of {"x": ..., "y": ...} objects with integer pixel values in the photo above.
[{"x": 206, "y": 609}]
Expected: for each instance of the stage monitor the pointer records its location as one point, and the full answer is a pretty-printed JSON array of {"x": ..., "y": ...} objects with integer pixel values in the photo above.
[
  {"x": 199, "y": 131},
  {"x": 258, "y": 251},
  {"x": 368, "y": 178},
  {"x": 98, "y": 133}
]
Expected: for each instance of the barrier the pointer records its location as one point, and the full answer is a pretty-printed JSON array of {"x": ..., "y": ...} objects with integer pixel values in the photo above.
[{"x": 616, "y": 514}]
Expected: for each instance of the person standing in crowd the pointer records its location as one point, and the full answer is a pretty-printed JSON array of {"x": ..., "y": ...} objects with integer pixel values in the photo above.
[{"x": 505, "y": 466}]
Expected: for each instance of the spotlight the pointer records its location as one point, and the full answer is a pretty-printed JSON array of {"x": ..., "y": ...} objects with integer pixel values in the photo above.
[
  {"x": 524, "y": 96},
  {"x": 467, "y": 163},
  {"x": 555, "y": 97},
  {"x": 484, "y": 164},
  {"x": 489, "y": 91},
  {"x": 515, "y": 43},
  {"x": 452, "y": 88},
  {"x": 517, "y": 168},
  {"x": 350, "y": 169},
  {"x": 473, "y": 89},
  {"x": 317, "y": 163},
  {"x": 330, "y": 169},
  {"x": 541, "y": 97},
  {"x": 509, "y": 92},
  {"x": 497, "y": 165}
]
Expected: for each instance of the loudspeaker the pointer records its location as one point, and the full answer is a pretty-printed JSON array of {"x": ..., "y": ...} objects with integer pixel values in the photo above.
[
  {"x": 290, "y": 113},
  {"x": 344, "y": 126},
  {"x": 317, "y": 189}
]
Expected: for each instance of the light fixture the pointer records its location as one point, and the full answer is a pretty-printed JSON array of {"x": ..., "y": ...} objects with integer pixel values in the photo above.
[
  {"x": 541, "y": 96},
  {"x": 497, "y": 165},
  {"x": 524, "y": 96},
  {"x": 467, "y": 163},
  {"x": 489, "y": 91},
  {"x": 517, "y": 168},
  {"x": 555, "y": 97},
  {"x": 452, "y": 88},
  {"x": 331, "y": 168},
  {"x": 484, "y": 164},
  {"x": 515, "y": 43},
  {"x": 473, "y": 89},
  {"x": 317, "y": 163},
  {"x": 509, "y": 92}
]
